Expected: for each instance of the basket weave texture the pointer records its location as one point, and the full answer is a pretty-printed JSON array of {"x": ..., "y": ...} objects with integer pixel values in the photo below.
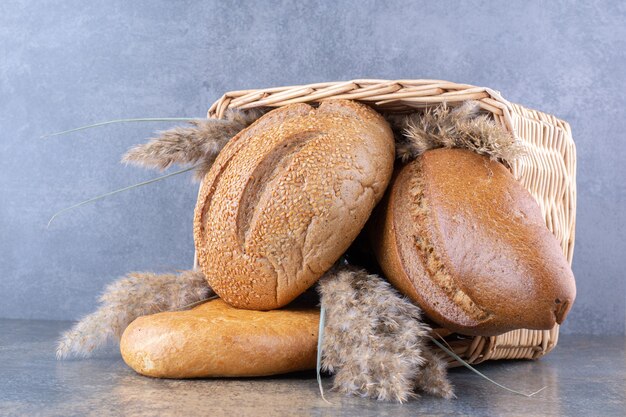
[{"x": 547, "y": 170}]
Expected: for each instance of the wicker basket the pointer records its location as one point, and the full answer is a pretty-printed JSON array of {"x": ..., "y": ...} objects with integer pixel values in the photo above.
[{"x": 548, "y": 170}]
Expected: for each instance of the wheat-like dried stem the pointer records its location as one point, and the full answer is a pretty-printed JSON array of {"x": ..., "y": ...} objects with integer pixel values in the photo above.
[
  {"x": 124, "y": 300},
  {"x": 459, "y": 127},
  {"x": 375, "y": 342}
]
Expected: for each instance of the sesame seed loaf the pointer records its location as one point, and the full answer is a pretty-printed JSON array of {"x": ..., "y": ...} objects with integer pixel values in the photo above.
[
  {"x": 461, "y": 237},
  {"x": 215, "y": 340},
  {"x": 287, "y": 196}
]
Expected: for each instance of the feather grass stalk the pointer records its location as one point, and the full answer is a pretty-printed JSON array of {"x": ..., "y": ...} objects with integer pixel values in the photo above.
[
  {"x": 197, "y": 144},
  {"x": 119, "y": 190},
  {"x": 477, "y": 372},
  {"x": 459, "y": 127},
  {"x": 320, "y": 344},
  {"x": 374, "y": 342},
  {"x": 124, "y": 300},
  {"x": 110, "y": 122}
]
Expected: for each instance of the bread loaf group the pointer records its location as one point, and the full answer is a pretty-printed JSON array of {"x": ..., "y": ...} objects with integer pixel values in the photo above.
[
  {"x": 463, "y": 239},
  {"x": 215, "y": 339},
  {"x": 287, "y": 196}
]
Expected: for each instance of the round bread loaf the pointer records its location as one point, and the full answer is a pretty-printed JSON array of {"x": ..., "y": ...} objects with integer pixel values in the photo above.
[
  {"x": 217, "y": 340},
  {"x": 461, "y": 237},
  {"x": 287, "y": 196}
]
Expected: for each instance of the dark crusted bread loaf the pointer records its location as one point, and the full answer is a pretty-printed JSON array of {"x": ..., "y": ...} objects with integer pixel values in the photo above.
[
  {"x": 462, "y": 238},
  {"x": 287, "y": 196},
  {"x": 215, "y": 339}
]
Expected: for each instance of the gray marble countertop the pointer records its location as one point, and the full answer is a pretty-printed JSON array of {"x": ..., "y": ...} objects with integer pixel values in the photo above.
[{"x": 584, "y": 375}]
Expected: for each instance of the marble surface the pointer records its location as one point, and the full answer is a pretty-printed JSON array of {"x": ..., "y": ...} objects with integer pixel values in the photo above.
[{"x": 584, "y": 376}]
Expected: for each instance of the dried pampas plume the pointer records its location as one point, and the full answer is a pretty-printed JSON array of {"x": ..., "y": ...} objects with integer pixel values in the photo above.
[
  {"x": 136, "y": 294},
  {"x": 460, "y": 127},
  {"x": 374, "y": 340},
  {"x": 199, "y": 143}
]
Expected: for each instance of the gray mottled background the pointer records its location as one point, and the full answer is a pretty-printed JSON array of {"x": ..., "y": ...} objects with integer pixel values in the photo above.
[{"x": 68, "y": 63}]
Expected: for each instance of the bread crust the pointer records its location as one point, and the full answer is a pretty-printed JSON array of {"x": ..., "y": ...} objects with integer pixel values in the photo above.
[
  {"x": 464, "y": 240},
  {"x": 217, "y": 340},
  {"x": 287, "y": 196}
]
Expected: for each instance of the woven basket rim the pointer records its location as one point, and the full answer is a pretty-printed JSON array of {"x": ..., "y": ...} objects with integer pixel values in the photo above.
[{"x": 377, "y": 92}]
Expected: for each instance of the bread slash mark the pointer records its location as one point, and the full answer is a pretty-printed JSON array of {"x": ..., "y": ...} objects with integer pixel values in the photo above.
[{"x": 267, "y": 170}]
